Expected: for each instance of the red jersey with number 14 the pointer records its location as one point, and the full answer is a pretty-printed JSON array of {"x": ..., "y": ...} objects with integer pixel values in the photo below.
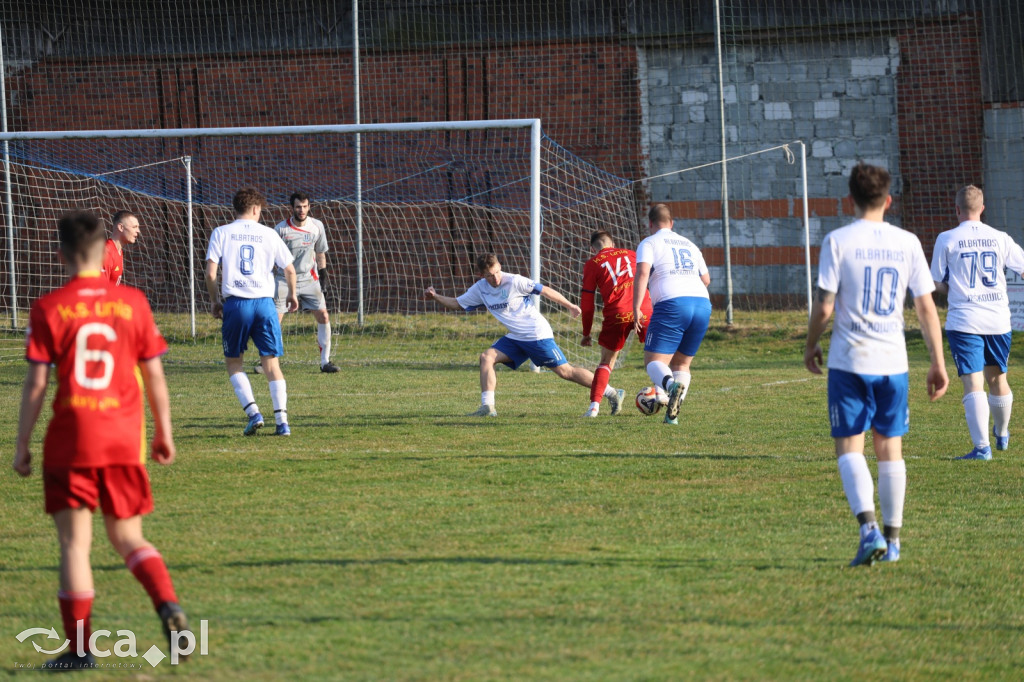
[
  {"x": 96, "y": 334},
  {"x": 611, "y": 272}
]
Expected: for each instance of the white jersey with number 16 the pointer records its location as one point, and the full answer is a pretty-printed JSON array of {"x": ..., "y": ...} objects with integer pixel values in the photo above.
[{"x": 869, "y": 266}]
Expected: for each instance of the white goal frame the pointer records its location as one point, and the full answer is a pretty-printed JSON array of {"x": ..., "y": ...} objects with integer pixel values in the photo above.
[{"x": 534, "y": 124}]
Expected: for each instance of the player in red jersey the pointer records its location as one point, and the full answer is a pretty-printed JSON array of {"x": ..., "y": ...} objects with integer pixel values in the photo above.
[
  {"x": 124, "y": 231},
  {"x": 102, "y": 340},
  {"x": 610, "y": 271}
]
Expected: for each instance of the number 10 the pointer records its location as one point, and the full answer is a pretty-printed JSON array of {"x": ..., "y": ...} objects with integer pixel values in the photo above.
[{"x": 887, "y": 280}]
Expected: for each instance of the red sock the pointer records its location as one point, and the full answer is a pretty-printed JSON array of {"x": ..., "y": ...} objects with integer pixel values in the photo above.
[
  {"x": 149, "y": 568},
  {"x": 74, "y": 607},
  {"x": 601, "y": 376}
]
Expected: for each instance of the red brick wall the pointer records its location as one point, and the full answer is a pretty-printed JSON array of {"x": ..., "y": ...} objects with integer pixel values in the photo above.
[
  {"x": 586, "y": 95},
  {"x": 940, "y": 116}
]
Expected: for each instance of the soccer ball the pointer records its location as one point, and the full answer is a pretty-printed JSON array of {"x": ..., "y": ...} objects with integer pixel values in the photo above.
[{"x": 647, "y": 400}]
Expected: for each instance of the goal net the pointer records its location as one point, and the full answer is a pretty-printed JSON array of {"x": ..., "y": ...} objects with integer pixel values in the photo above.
[{"x": 431, "y": 200}]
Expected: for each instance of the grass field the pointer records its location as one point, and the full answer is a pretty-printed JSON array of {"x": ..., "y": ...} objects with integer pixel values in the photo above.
[{"x": 392, "y": 538}]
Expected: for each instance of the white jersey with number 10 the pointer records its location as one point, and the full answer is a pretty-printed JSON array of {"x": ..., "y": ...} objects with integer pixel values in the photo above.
[{"x": 869, "y": 266}]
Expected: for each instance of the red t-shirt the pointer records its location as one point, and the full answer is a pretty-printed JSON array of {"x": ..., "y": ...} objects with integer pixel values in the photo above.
[
  {"x": 96, "y": 334},
  {"x": 611, "y": 271},
  {"x": 113, "y": 262}
]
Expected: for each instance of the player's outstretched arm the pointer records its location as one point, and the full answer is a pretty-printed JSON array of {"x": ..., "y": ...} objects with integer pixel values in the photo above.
[
  {"x": 643, "y": 275},
  {"x": 33, "y": 393},
  {"x": 821, "y": 311},
  {"x": 931, "y": 330},
  {"x": 552, "y": 295},
  {"x": 446, "y": 301},
  {"x": 160, "y": 405},
  {"x": 216, "y": 306}
]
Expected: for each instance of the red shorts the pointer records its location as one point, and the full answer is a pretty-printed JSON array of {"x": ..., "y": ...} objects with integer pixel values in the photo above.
[
  {"x": 121, "y": 491},
  {"x": 616, "y": 328}
]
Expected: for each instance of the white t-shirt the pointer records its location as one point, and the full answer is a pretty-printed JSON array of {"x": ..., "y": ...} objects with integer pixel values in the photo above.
[
  {"x": 676, "y": 266},
  {"x": 869, "y": 266},
  {"x": 510, "y": 303},
  {"x": 971, "y": 259},
  {"x": 304, "y": 243},
  {"x": 247, "y": 252}
]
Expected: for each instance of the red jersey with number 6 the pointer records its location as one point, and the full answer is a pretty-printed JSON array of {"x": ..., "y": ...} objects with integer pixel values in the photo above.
[
  {"x": 96, "y": 334},
  {"x": 611, "y": 271}
]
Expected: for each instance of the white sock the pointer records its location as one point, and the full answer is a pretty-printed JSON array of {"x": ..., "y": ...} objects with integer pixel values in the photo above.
[
  {"x": 279, "y": 396},
  {"x": 323, "y": 337},
  {"x": 857, "y": 482},
  {"x": 683, "y": 378},
  {"x": 243, "y": 391},
  {"x": 487, "y": 398},
  {"x": 892, "y": 489},
  {"x": 1001, "y": 406},
  {"x": 976, "y": 411},
  {"x": 659, "y": 372},
  {"x": 609, "y": 392},
  {"x": 594, "y": 407}
]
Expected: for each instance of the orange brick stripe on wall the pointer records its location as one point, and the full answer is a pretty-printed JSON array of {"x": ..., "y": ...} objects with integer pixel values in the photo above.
[{"x": 759, "y": 255}]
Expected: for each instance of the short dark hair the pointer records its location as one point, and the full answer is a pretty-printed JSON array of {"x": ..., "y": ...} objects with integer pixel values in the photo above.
[
  {"x": 119, "y": 218},
  {"x": 659, "y": 213},
  {"x": 601, "y": 237},
  {"x": 297, "y": 196},
  {"x": 485, "y": 262},
  {"x": 869, "y": 185},
  {"x": 246, "y": 198},
  {"x": 78, "y": 232}
]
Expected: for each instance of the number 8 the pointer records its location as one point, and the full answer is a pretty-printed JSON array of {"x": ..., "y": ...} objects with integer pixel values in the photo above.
[{"x": 247, "y": 253}]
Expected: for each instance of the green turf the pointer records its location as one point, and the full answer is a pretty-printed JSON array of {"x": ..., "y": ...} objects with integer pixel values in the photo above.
[{"x": 392, "y": 538}]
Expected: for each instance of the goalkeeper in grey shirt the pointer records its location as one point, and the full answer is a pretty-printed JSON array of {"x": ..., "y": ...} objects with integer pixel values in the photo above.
[{"x": 306, "y": 238}]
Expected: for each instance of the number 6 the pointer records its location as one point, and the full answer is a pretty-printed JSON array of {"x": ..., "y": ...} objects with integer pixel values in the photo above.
[{"x": 83, "y": 355}]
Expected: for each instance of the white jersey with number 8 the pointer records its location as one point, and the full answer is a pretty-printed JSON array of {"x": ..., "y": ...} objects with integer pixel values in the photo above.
[
  {"x": 247, "y": 252},
  {"x": 869, "y": 266}
]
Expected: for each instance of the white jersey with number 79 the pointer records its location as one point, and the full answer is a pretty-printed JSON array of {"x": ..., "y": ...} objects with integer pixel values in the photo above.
[{"x": 869, "y": 266}]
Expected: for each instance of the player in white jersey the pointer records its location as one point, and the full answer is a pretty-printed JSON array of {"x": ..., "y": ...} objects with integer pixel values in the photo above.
[
  {"x": 674, "y": 268},
  {"x": 968, "y": 264},
  {"x": 248, "y": 253},
  {"x": 508, "y": 298},
  {"x": 864, "y": 272},
  {"x": 306, "y": 238}
]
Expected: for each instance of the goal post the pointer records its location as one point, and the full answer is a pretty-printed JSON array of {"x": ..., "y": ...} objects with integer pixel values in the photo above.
[{"x": 434, "y": 194}]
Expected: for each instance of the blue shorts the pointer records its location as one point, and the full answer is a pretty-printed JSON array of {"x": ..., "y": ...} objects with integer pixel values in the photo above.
[
  {"x": 543, "y": 352},
  {"x": 974, "y": 352},
  {"x": 859, "y": 401},
  {"x": 678, "y": 325},
  {"x": 250, "y": 317}
]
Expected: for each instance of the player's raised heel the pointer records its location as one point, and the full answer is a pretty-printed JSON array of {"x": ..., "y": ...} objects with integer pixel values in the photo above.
[
  {"x": 675, "y": 399},
  {"x": 984, "y": 454},
  {"x": 872, "y": 547},
  {"x": 71, "y": 661},
  {"x": 254, "y": 425},
  {"x": 617, "y": 401},
  {"x": 892, "y": 553},
  {"x": 329, "y": 368},
  {"x": 282, "y": 430},
  {"x": 173, "y": 618},
  {"x": 484, "y": 411},
  {"x": 1002, "y": 442}
]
